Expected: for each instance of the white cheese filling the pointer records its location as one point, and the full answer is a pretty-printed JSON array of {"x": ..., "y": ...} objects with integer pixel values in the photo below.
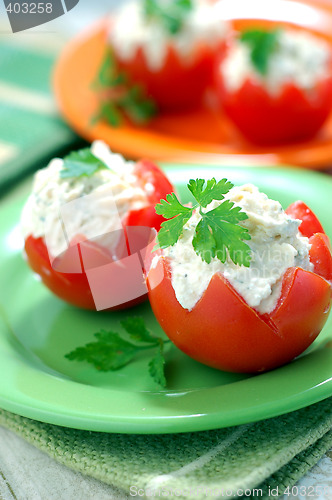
[
  {"x": 299, "y": 58},
  {"x": 60, "y": 209},
  {"x": 276, "y": 245},
  {"x": 130, "y": 30}
]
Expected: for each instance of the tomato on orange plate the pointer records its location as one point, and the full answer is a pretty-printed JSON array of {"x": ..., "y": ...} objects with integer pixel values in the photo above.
[
  {"x": 238, "y": 284},
  {"x": 169, "y": 48},
  {"x": 87, "y": 221},
  {"x": 276, "y": 85}
]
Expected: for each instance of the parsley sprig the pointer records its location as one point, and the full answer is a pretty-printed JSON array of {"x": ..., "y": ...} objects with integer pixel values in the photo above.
[
  {"x": 171, "y": 14},
  {"x": 118, "y": 97},
  {"x": 218, "y": 233},
  {"x": 81, "y": 163},
  {"x": 111, "y": 351},
  {"x": 262, "y": 44}
]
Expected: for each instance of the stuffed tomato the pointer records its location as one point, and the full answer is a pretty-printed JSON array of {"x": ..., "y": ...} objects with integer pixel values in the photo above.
[
  {"x": 87, "y": 221},
  {"x": 169, "y": 48},
  {"x": 276, "y": 86},
  {"x": 238, "y": 315}
]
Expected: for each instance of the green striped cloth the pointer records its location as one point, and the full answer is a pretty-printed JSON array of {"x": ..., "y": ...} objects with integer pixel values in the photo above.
[
  {"x": 31, "y": 131},
  {"x": 272, "y": 454}
]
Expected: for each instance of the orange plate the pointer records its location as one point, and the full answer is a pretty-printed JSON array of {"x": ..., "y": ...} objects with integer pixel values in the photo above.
[{"x": 199, "y": 135}]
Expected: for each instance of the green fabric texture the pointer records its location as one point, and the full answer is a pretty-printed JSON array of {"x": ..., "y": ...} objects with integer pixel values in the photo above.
[
  {"x": 265, "y": 455},
  {"x": 31, "y": 131}
]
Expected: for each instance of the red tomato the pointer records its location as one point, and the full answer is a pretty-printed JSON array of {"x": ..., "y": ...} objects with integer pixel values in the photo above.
[
  {"x": 291, "y": 115},
  {"x": 310, "y": 223},
  {"x": 82, "y": 266},
  {"x": 177, "y": 84},
  {"x": 149, "y": 175},
  {"x": 224, "y": 332},
  {"x": 320, "y": 255},
  {"x": 320, "y": 251}
]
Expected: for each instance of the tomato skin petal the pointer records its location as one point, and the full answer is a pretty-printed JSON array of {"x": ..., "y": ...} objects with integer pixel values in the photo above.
[
  {"x": 64, "y": 285},
  {"x": 320, "y": 251},
  {"x": 320, "y": 255},
  {"x": 149, "y": 173},
  {"x": 222, "y": 331},
  {"x": 302, "y": 310},
  {"x": 310, "y": 223},
  {"x": 187, "y": 81},
  {"x": 73, "y": 288},
  {"x": 198, "y": 332}
]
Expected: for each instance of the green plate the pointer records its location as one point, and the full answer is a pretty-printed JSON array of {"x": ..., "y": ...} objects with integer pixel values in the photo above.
[{"x": 37, "y": 381}]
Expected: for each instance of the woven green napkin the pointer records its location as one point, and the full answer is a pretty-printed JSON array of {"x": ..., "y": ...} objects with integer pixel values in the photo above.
[
  {"x": 264, "y": 457},
  {"x": 31, "y": 131}
]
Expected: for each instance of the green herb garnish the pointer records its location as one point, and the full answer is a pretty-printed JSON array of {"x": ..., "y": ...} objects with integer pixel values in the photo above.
[
  {"x": 111, "y": 352},
  {"x": 136, "y": 106},
  {"x": 120, "y": 98},
  {"x": 171, "y": 14},
  {"x": 262, "y": 44},
  {"x": 80, "y": 163},
  {"x": 218, "y": 233}
]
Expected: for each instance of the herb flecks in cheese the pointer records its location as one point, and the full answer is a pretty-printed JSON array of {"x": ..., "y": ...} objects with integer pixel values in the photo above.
[
  {"x": 296, "y": 57},
  {"x": 60, "y": 209},
  {"x": 132, "y": 30},
  {"x": 275, "y": 243}
]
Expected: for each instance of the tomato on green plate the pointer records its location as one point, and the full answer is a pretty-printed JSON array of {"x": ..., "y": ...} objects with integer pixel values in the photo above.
[
  {"x": 203, "y": 134},
  {"x": 37, "y": 330}
]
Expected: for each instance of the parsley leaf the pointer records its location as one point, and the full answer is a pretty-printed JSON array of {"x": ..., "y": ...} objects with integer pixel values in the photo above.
[
  {"x": 118, "y": 97},
  {"x": 109, "y": 74},
  {"x": 137, "y": 107},
  {"x": 111, "y": 352},
  {"x": 157, "y": 368},
  {"x": 170, "y": 14},
  {"x": 80, "y": 163},
  {"x": 204, "y": 241},
  {"x": 137, "y": 330},
  {"x": 214, "y": 190},
  {"x": 262, "y": 44},
  {"x": 109, "y": 113},
  {"x": 178, "y": 214},
  {"x": 218, "y": 233}
]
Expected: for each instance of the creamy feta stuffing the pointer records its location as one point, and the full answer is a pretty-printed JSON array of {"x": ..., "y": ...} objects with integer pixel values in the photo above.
[
  {"x": 276, "y": 245},
  {"x": 59, "y": 209},
  {"x": 130, "y": 30},
  {"x": 300, "y": 58}
]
